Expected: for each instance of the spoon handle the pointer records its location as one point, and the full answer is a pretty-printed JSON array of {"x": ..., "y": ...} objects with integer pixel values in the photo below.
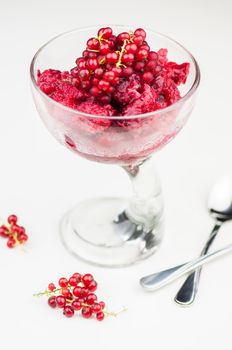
[
  {"x": 187, "y": 293},
  {"x": 162, "y": 278}
]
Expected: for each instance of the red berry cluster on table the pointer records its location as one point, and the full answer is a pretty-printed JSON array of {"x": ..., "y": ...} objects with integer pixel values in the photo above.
[
  {"x": 15, "y": 234},
  {"x": 76, "y": 294},
  {"x": 117, "y": 75}
]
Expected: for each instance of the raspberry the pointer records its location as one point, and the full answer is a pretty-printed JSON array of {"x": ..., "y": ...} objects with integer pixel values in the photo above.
[
  {"x": 144, "y": 104},
  {"x": 127, "y": 89},
  {"x": 178, "y": 72}
]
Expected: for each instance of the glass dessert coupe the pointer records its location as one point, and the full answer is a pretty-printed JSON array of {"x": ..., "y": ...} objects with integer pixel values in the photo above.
[{"x": 114, "y": 231}]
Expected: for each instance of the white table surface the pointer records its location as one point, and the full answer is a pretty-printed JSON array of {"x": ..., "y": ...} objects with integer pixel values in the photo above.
[{"x": 40, "y": 180}]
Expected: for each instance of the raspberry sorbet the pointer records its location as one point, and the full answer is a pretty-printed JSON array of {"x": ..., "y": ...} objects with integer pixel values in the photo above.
[{"x": 117, "y": 76}]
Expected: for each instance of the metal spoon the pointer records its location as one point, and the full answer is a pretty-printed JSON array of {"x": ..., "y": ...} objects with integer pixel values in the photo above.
[
  {"x": 220, "y": 206},
  {"x": 161, "y": 279}
]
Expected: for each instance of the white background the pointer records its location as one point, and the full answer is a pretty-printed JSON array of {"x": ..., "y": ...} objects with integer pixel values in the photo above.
[{"x": 40, "y": 180}]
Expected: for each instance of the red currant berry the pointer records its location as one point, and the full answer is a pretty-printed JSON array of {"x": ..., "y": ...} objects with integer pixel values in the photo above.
[
  {"x": 77, "y": 275},
  {"x": 76, "y": 81},
  {"x": 117, "y": 71},
  {"x": 95, "y": 81},
  {"x": 84, "y": 74},
  {"x": 109, "y": 76},
  {"x": 151, "y": 65},
  {"x": 52, "y": 302},
  {"x": 93, "y": 44},
  {"x": 131, "y": 48},
  {"x": 152, "y": 56},
  {"x": 21, "y": 230},
  {"x": 15, "y": 228},
  {"x": 112, "y": 41},
  {"x": 123, "y": 36},
  {"x": 92, "y": 63},
  {"x": 79, "y": 59},
  {"x": 11, "y": 243},
  {"x": 68, "y": 311},
  {"x": 73, "y": 281},
  {"x": 99, "y": 72},
  {"x": 51, "y": 287},
  {"x": 69, "y": 296},
  {"x": 111, "y": 90},
  {"x": 63, "y": 282},
  {"x": 91, "y": 298},
  {"x": 76, "y": 305},
  {"x": 112, "y": 57},
  {"x": 61, "y": 301},
  {"x": 81, "y": 300},
  {"x": 100, "y": 316},
  {"x": 77, "y": 291},
  {"x": 109, "y": 66},
  {"x": 74, "y": 71},
  {"x": 142, "y": 54},
  {"x": 85, "y": 54},
  {"x": 102, "y": 304},
  {"x": 96, "y": 308},
  {"x": 128, "y": 57},
  {"x": 3, "y": 231},
  {"x": 104, "y": 48},
  {"x": 101, "y": 59},
  {"x": 138, "y": 40},
  {"x": 139, "y": 66},
  {"x": 12, "y": 219},
  {"x": 86, "y": 312},
  {"x": 23, "y": 237},
  {"x": 65, "y": 292},
  {"x": 140, "y": 32},
  {"x": 105, "y": 33},
  {"x": 127, "y": 71},
  {"x": 147, "y": 77},
  {"x": 84, "y": 292},
  {"x": 81, "y": 64},
  {"x": 85, "y": 84},
  {"x": 145, "y": 47},
  {"x": 104, "y": 85},
  {"x": 94, "y": 91},
  {"x": 93, "y": 54},
  {"x": 92, "y": 286}
]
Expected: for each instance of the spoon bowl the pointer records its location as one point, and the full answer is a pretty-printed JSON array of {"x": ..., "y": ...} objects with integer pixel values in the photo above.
[{"x": 220, "y": 199}]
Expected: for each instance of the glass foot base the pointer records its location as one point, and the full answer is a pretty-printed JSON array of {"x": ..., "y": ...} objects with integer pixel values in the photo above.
[{"x": 99, "y": 232}]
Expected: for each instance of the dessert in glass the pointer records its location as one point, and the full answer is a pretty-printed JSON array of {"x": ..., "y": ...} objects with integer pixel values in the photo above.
[{"x": 121, "y": 102}]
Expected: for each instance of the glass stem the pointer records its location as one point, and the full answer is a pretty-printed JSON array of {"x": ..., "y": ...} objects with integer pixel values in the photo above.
[{"x": 146, "y": 206}]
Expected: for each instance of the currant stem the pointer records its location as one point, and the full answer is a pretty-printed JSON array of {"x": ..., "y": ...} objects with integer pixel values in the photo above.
[
  {"x": 100, "y": 39},
  {"x": 47, "y": 292},
  {"x": 114, "y": 314},
  {"x": 131, "y": 36},
  {"x": 119, "y": 63},
  {"x": 91, "y": 50}
]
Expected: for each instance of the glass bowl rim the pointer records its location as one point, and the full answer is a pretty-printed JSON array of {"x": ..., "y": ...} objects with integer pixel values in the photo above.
[{"x": 168, "y": 109}]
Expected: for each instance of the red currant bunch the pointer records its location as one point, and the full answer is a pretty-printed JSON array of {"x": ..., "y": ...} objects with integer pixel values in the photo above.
[
  {"x": 76, "y": 294},
  {"x": 14, "y": 233},
  {"x": 108, "y": 57}
]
